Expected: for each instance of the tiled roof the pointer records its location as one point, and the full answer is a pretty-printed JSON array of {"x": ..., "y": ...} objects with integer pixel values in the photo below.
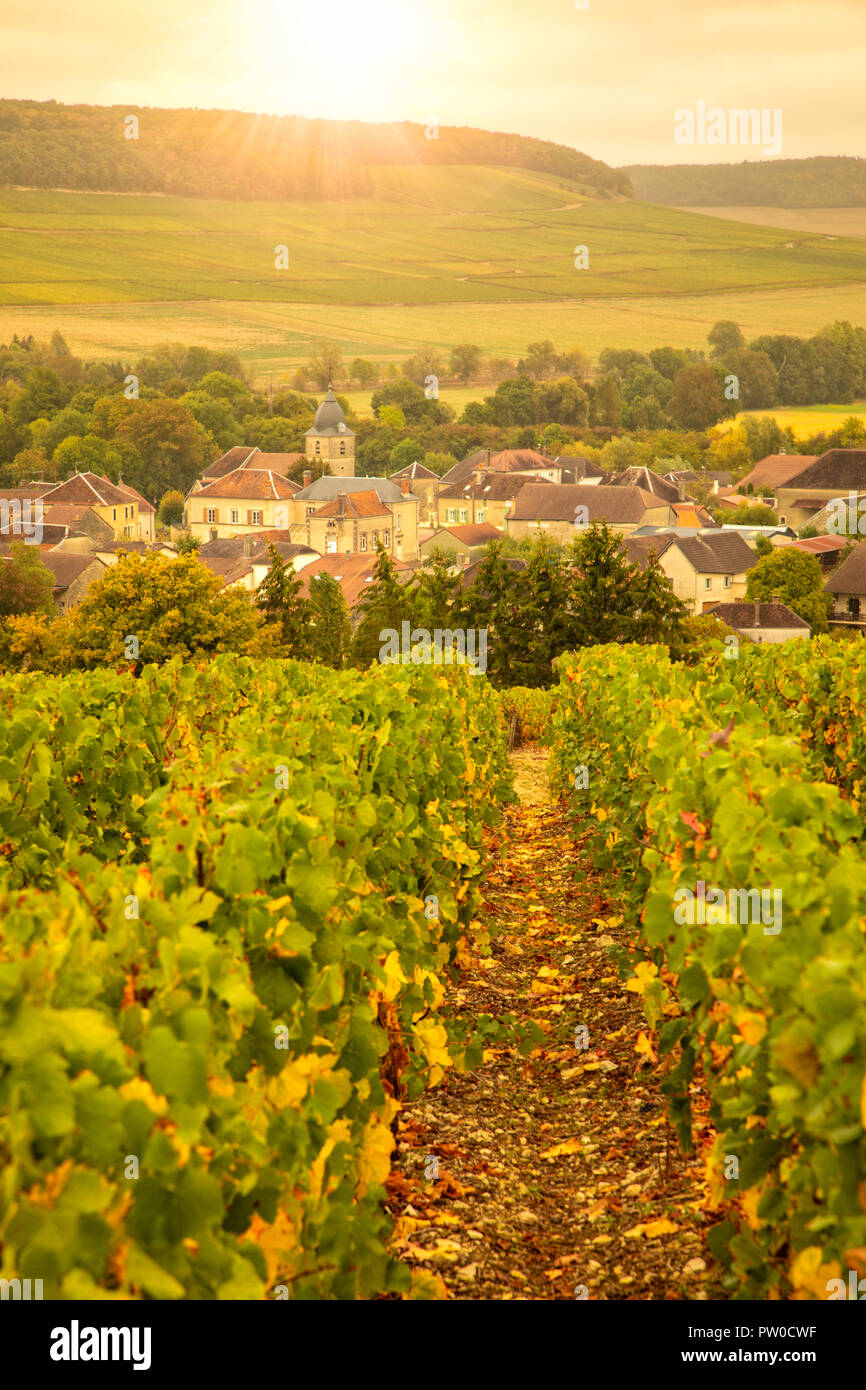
[
  {"x": 67, "y": 567},
  {"x": 242, "y": 456},
  {"x": 130, "y": 492},
  {"x": 323, "y": 489},
  {"x": 744, "y": 618},
  {"x": 469, "y": 573},
  {"x": 415, "y": 470},
  {"x": 232, "y": 547},
  {"x": 250, "y": 484},
  {"x": 353, "y": 573},
  {"x": 718, "y": 552},
  {"x": 558, "y": 502},
  {"x": 492, "y": 487},
  {"x": 477, "y": 533},
  {"x": 850, "y": 577},
  {"x": 87, "y": 489},
  {"x": 649, "y": 481},
  {"x": 503, "y": 461},
  {"x": 356, "y": 504},
  {"x": 842, "y": 468},
  {"x": 775, "y": 471}
]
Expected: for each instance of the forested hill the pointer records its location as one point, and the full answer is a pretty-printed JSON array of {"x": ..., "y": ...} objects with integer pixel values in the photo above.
[
  {"x": 231, "y": 154},
  {"x": 827, "y": 181}
]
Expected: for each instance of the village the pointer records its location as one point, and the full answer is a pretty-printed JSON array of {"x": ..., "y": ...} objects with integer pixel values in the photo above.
[{"x": 244, "y": 507}]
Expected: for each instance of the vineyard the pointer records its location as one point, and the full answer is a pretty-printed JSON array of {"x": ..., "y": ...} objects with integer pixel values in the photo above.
[
  {"x": 746, "y": 776},
  {"x": 227, "y": 897},
  {"x": 238, "y": 901}
]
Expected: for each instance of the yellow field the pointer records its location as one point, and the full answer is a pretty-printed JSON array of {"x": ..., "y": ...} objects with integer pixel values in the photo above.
[
  {"x": 272, "y": 337},
  {"x": 831, "y": 222},
  {"x": 808, "y": 421}
]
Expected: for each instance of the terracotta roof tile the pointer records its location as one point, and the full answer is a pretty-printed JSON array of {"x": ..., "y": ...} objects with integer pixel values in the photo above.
[{"x": 251, "y": 484}]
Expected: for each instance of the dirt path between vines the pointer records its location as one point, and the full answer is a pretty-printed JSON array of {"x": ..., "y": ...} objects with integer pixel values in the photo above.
[{"x": 557, "y": 1174}]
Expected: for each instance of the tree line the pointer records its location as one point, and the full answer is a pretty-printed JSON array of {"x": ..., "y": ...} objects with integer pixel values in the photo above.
[{"x": 234, "y": 154}]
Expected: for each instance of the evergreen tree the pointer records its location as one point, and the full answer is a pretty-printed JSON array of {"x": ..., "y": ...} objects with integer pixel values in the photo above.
[
  {"x": 385, "y": 606},
  {"x": 605, "y": 590},
  {"x": 543, "y": 593},
  {"x": 436, "y": 593},
  {"x": 496, "y": 601},
  {"x": 330, "y": 631},
  {"x": 659, "y": 611},
  {"x": 280, "y": 600}
]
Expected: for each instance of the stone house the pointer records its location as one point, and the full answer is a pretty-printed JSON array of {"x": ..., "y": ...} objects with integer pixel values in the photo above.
[
  {"x": 243, "y": 501},
  {"x": 558, "y": 510},
  {"x": 761, "y": 622}
]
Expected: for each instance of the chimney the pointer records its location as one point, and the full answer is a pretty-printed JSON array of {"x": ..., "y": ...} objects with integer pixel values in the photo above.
[
  {"x": 404, "y": 486},
  {"x": 681, "y": 489},
  {"x": 248, "y": 546},
  {"x": 777, "y": 598},
  {"x": 341, "y": 503},
  {"x": 308, "y": 477}
]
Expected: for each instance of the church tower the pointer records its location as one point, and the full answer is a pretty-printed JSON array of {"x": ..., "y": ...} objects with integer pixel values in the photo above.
[{"x": 330, "y": 440}]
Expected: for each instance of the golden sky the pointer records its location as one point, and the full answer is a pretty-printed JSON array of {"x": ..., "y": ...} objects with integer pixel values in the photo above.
[{"x": 606, "y": 79}]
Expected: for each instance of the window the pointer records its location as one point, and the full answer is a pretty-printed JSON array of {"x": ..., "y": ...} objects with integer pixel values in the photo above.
[
  {"x": 481, "y": 514},
  {"x": 363, "y": 540},
  {"x": 727, "y": 581},
  {"x": 331, "y": 545},
  {"x": 451, "y": 514},
  {"x": 318, "y": 447},
  {"x": 255, "y": 518},
  {"x": 234, "y": 516},
  {"x": 398, "y": 523},
  {"x": 386, "y": 537},
  {"x": 210, "y": 514},
  {"x": 375, "y": 537},
  {"x": 708, "y": 583},
  {"x": 342, "y": 446},
  {"x": 114, "y": 514},
  {"x": 463, "y": 514}
]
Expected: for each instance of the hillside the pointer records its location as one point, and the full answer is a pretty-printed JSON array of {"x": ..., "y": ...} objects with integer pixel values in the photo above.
[
  {"x": 233, "y": 154},
  {"x": 822, "y": 182},
  {"x": 439, "y": 255}
]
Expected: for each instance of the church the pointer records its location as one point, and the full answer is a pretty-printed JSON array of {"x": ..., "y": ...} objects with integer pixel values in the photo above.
[{"x": 330, "y": 440}]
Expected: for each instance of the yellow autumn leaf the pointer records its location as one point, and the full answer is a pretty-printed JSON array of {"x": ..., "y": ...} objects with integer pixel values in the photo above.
[
  {"x": 568, "y": 1146},
  {"x": 644, "y": 1048},
  {"x": 289, "y": 1086},
  {"x": 139, "y": 1089},
  {"x": 434, "y": 1044},
  {"x": 339, "y": 1132},
  {"x": 644, "y": 972},
  {"x": 276, "y": 1239},
  {"x": 423, "y": 977},
  {"x": 394, "y": 977},
  {"x": 807, "y": 1271},
  {"x": 751, "y": 1026},
  {"x": 374, "y": 1158},
  {"x": 652, "y": 1229}
]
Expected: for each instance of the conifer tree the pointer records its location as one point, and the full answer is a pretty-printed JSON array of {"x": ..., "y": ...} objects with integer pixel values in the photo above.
[
  {"x": 283, "y": 605},
  {"x": 330, "y": 631},
  {"x": 385, "y": 606}
]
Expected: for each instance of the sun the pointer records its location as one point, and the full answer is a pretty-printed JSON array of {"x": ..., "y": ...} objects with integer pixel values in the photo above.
[{"x": 341, "y": 58}]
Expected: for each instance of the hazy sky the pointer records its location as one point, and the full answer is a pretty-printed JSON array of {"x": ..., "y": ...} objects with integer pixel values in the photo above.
[{"x": 607, "y": 79}]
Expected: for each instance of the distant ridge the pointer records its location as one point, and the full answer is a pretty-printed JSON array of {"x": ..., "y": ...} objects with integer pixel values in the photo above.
[
  {"x": 825, "y": 181},
  {"x": 233, "y": 154}
]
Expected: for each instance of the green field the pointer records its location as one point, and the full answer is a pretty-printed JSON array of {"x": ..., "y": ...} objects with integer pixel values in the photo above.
[{"x": 442, "y": 255}]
